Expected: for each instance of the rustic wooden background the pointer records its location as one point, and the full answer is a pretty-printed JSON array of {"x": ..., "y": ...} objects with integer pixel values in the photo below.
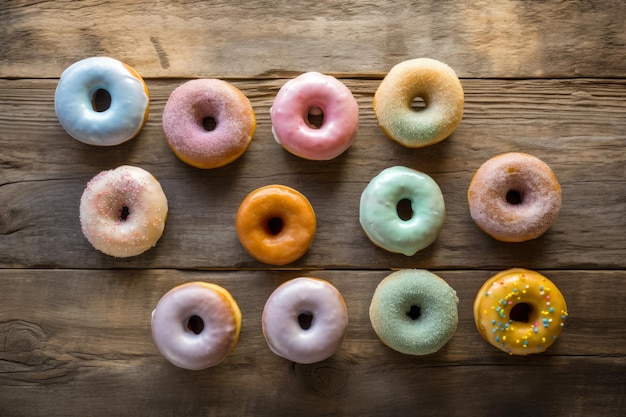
[{"x": 547, "y": 78}]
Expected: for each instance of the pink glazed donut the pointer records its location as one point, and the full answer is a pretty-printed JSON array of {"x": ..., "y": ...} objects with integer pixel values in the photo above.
[
  {"x": 196, "y": 325},
  {"x": 323, "y": 96},
  {"x": 304, "y": 320}
]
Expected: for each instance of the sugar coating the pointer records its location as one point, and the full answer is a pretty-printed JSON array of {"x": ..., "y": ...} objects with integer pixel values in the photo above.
[
  {"x": 501, "y": 293},
  {"x": 102, "y": 204},
  {"x": 317, "y": 94},
  {"x": 379, "y": 217},
  {"x": 283, "y": 333},
  {"x": 437, "y": 84},
  {"x": 126, "y": 115},
  {"x": 537, "y": 186},
  {"x": 190, "y": 104},
  {"x": 392, "y": 301},
  {"x": 181, "y": 346}
]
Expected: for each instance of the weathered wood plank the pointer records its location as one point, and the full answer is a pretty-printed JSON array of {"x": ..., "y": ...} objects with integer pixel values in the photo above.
[
  {"x": 78, "y": 341},
  {"x": 576, "y": 126},
  {"x": 251, "y": 39}
]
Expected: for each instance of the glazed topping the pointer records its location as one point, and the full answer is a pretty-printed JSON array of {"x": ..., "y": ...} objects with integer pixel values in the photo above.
[
  {"x": 123, "y": 211},
  {"x": 323, "y": 98},
  {"x": 208, "y": 123},
  {"x": 196, "y": 325},
  {"x": 121, "y": 121},
  {"x": 379, "y": 215},
  {"x": 439, "y": 87},
  {"x": 304, "y": 320},
  {"x": 520, "y": 311}
]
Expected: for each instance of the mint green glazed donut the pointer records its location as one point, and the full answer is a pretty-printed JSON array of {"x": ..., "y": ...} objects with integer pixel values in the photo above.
[
  {"x": 414, "y": 312},
  {"x": 379, "y": 216}
]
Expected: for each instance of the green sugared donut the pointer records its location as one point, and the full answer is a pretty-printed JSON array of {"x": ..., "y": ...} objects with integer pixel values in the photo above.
[{"x": 414, "y": 311}]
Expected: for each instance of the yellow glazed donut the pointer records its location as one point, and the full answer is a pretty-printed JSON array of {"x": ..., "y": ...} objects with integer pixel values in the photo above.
[
  {"x": 276, "y": 224},
  {"x": 196, "y": 325},
  {"x": 514, "y": 197},
  {"x": 123, "y": 211},
  {"x": 519, "y": 311},
  {"x": 434, "y": 82}
]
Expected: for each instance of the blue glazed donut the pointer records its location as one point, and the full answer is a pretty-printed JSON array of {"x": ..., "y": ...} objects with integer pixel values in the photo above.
[
  {"x": 74, "y": 96},
  {"x": 379, "y": 216},
  {"x": 414, "y": 311}
]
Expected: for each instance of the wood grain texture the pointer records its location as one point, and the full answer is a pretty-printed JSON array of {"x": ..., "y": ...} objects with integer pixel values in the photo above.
[
  {"x": 274, "y": 38},
  {"x": 547, "y": 78},
  {"x": 574, "y": 125},
  {"x": 79, "y": 341}
]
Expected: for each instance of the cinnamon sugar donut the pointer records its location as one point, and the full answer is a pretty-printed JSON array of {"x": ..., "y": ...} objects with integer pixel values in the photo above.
[
  {"x": 514, "y": 197},
  {"x": 434, "y": 82},
  {"x": 208, "y": 123}
]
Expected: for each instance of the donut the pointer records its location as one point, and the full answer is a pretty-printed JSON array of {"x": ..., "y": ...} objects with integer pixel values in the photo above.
[
  {"x": 514, "y": 197},
  {"x": 519, "y": 311},
  {"x": 275, "y": 224},
  {"x": 79, "y": 110},
  {"x": 196, "y": 325},
  {"x": 304, "y": 320},
  {"x": 208, "y": 123},
  {"x": 321, "y": 96},
  {"x": 123, "y": 211},
  {"x": 432, "y": 81},
  {"x": 381, "y": 204},
  {"x": 414, "y": 311}
]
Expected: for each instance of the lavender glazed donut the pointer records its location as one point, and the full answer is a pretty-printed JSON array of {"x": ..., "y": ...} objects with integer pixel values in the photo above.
[
  {"x": 304, "y": 320},
  {"x": 196, "y": 325},
  {"x": 208, "y": 123},
  {"x": 319, "y": 95},
  {"x": 514, "y": 197}
]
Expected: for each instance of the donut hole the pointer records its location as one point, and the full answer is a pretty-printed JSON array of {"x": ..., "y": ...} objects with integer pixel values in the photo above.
[
  {"x": 315, "y": 117},
  {"x": 209, "y": 123},
  {"x": 101, "y": 100},
  {"x": 124, "y": 213},
  {"x": 274, "y": 226},
  {"x": 305, "y": 320},
  {"x": 414, "y": 312},
  {"x": 195, "y": 324},
  {"x": 418, "y": 104},
  {"x": 521, "y": 312},
  {"x": 404, "y": 209},
  {"x": 514, "y": 197}
]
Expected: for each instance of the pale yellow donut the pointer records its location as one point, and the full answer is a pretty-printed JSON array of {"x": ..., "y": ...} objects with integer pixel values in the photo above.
[{"x": 433, "y": 81}]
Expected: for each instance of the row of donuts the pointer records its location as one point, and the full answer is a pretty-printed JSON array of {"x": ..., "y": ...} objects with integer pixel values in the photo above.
[{"x": 196, "y": 325}]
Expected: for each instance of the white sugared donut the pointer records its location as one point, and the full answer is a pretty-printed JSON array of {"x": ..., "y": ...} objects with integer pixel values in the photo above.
[
  {"x": 196, "y": 325},
  {"x": 304, "y": 320},
  {"x": 76, "y": 94},
  {"x": 432, "y": 81},
  {"x": 318, "y": 95},
  {"x": 123, "y": 211}
]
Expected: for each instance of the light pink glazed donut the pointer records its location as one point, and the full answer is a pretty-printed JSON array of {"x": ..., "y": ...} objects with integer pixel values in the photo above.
[
  {"x": 304, "y": 320},
  {"x": 208, "y": 123},
  {"x": 196, "y": 325},
  {"x": 123, "y": 211},
  {"x": 318, "y": 95},
  {"x": 514, "y": 197}
]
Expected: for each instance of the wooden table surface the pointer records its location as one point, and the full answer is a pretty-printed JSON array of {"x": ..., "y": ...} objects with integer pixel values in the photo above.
[{"x": 546, "y": 78}]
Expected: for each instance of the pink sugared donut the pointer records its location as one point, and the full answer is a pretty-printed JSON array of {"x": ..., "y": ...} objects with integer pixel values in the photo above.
[
  {"x": 196, "y": 325},
  {"x": 321, "y": 96},
  {"x": 123, "y": 211},
  {"x": 304, "y": 320},
  {"x": 208, "y": 123},
  {"x": 514, "y": 197}
]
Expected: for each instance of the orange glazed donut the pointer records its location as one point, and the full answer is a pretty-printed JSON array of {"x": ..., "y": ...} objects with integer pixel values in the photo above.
[
  {"x": 275, "y": 224},
  {"x": 514, "y": 197},
  {"x": 519, "y": 311}
]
